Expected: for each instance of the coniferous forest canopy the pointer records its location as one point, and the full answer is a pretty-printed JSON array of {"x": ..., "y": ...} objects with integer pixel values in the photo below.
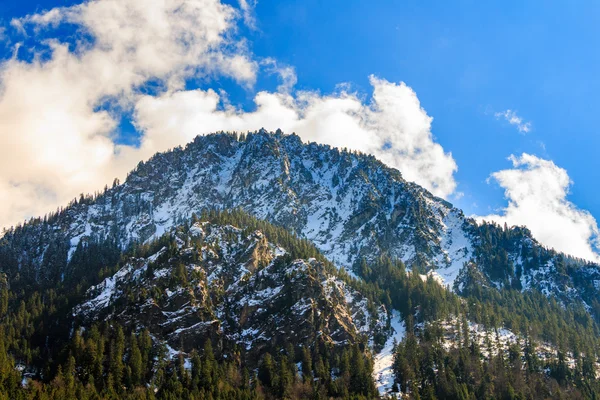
[
  {"x": 107, "y": 360},
  {"x": 49, "y": 351}
]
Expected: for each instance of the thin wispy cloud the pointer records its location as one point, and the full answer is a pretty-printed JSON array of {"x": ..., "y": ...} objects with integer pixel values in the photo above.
[
  {"x": 514, "y": 119},
  {"x": 287, "y": 74},
  {"x": 247, "y": 8}
]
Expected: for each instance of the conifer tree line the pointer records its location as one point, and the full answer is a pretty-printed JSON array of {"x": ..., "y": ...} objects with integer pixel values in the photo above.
[
  {"x": 109, "y": 361},
  {"x": 105, "y": 362}
]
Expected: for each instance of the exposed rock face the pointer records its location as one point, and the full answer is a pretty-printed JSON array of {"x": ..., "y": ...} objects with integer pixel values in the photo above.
[
  {"x": 351, "y": 206},
  {"x": 220, "y": 282}
]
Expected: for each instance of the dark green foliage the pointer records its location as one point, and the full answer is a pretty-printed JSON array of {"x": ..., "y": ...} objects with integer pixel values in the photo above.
[
  {"x": 109, "y": 361},
  {"x": 425, "y": 370}
]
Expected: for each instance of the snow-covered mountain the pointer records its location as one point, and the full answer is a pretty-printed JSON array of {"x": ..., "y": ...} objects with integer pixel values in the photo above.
[
  {"x": 350, "y": 205},
  {"x": 262, "y": 244}
]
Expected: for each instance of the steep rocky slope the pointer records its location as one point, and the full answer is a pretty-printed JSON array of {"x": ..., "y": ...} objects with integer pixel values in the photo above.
[
  {"x": 314, "y": 271},
  {"x": 221, "y": 282},
  {"x": 350, "y": 205}
]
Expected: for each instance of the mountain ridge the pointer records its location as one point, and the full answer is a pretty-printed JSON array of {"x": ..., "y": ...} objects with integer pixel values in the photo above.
[
  {"x": 249, "y": 242},
  {"x": 350, "y": 205}
]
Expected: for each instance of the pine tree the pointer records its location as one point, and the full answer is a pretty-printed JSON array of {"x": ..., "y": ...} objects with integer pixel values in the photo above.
[
  {"x": 307, "y": 375},
  {"x": 116, "y": 358},
  {"x": 135, "y": 361},
  {"x": 266, "y": 371},
  {"x": 286, "y": 378},
  {"x": 208, "y": 365}
]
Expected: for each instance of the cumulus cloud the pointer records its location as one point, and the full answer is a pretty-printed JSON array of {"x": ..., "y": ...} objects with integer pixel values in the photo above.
[
  {"x": 537, "y": 191},
  {"x": 512, "y": 118},
  {"x": 56, "y": 136},
  {"x": 60, "y": 111},
  {"x": 392, "y": 125}
]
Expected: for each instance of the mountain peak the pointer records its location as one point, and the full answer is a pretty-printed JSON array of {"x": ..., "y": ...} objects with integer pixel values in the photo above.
[{"x": 350, "y": 205}]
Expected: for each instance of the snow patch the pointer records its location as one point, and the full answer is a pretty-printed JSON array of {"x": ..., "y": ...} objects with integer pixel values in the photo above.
[{"x": 382, "y": 367}]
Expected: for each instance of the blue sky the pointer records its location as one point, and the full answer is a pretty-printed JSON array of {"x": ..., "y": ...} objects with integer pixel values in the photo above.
[{"x": 467, "y": 61}]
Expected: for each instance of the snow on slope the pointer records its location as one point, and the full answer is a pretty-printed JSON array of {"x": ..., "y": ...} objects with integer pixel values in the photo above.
[
  {"x": 456, "y": 247},
  {"x": 382, "y": 367},
  {"x": 350, "y": 206},
  {"x": 234, "y": 289}
]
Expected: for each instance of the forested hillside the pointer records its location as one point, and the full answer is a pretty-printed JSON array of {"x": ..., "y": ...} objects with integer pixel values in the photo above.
[{"x": 257, "y": 266}]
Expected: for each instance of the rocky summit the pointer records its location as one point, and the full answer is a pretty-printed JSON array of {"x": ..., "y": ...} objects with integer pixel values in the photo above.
[{"x": 349, "y": 205}]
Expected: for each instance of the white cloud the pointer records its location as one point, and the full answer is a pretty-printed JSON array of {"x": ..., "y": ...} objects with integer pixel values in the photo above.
[
  {"x": 286, "y": 73},
  {"x": 512, "y": 118},
  {"x": 55, "y": 140},
  {"x": 392, "y": 126},
  {"x": 248, "y": 12},
  {"x": 537, "y": 191},
  {"x": 57, "y": 134}
]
